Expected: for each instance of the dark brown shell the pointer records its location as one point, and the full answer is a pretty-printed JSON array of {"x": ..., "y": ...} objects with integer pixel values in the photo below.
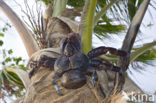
[
  {"x": 73, "y": 79},
  {"x": 61, "y": 64},
  {"x": 79, "y": 60}
]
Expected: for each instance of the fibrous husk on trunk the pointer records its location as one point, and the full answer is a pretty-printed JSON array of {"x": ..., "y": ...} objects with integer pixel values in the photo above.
[{"x": 58, "y": 28}]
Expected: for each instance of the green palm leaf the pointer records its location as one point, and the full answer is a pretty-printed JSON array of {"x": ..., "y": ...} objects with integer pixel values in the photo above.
[
  {"x": 21, "y": 76},
  {"x": 86, "y": 26},
  {"x": 11, "y": 79},
  {"x": 144, "y": 53}
]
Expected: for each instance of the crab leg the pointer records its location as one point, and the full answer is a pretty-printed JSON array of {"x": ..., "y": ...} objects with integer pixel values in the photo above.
[
  {"x": 56, "y": 85},
  {"x": 103, "y": 50},
  {"x": 44, "y": 61},
  {"x": 57, "y": 88},
  {"x": 94, "y": 75},
  {"x": 109, "y": 66}
]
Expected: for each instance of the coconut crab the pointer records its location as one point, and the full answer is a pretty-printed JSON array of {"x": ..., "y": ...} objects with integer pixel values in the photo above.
[{"x": 73, "y": 66}]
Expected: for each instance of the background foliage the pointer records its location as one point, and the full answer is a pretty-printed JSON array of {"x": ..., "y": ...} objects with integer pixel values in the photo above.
[{"x": 10, "y": 83}]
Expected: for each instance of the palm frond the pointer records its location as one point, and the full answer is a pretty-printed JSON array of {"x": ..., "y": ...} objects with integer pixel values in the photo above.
[
  {"x": 148, "y": 58},
  {"x": 76, "y": 3},
  {"x": 103, "y": 10},
  {"x": 10, "y": 84},
  {"x": 144, "y": 53},
  {"x": 58, "y": 8},
  {"x": 105, "y": 30},
  {"x": 86, "y": 25},
  {"x": 21, "y": 76}
]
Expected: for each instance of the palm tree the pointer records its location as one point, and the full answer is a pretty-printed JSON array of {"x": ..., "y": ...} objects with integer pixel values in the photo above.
[{"x": 47, "y": 30}]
